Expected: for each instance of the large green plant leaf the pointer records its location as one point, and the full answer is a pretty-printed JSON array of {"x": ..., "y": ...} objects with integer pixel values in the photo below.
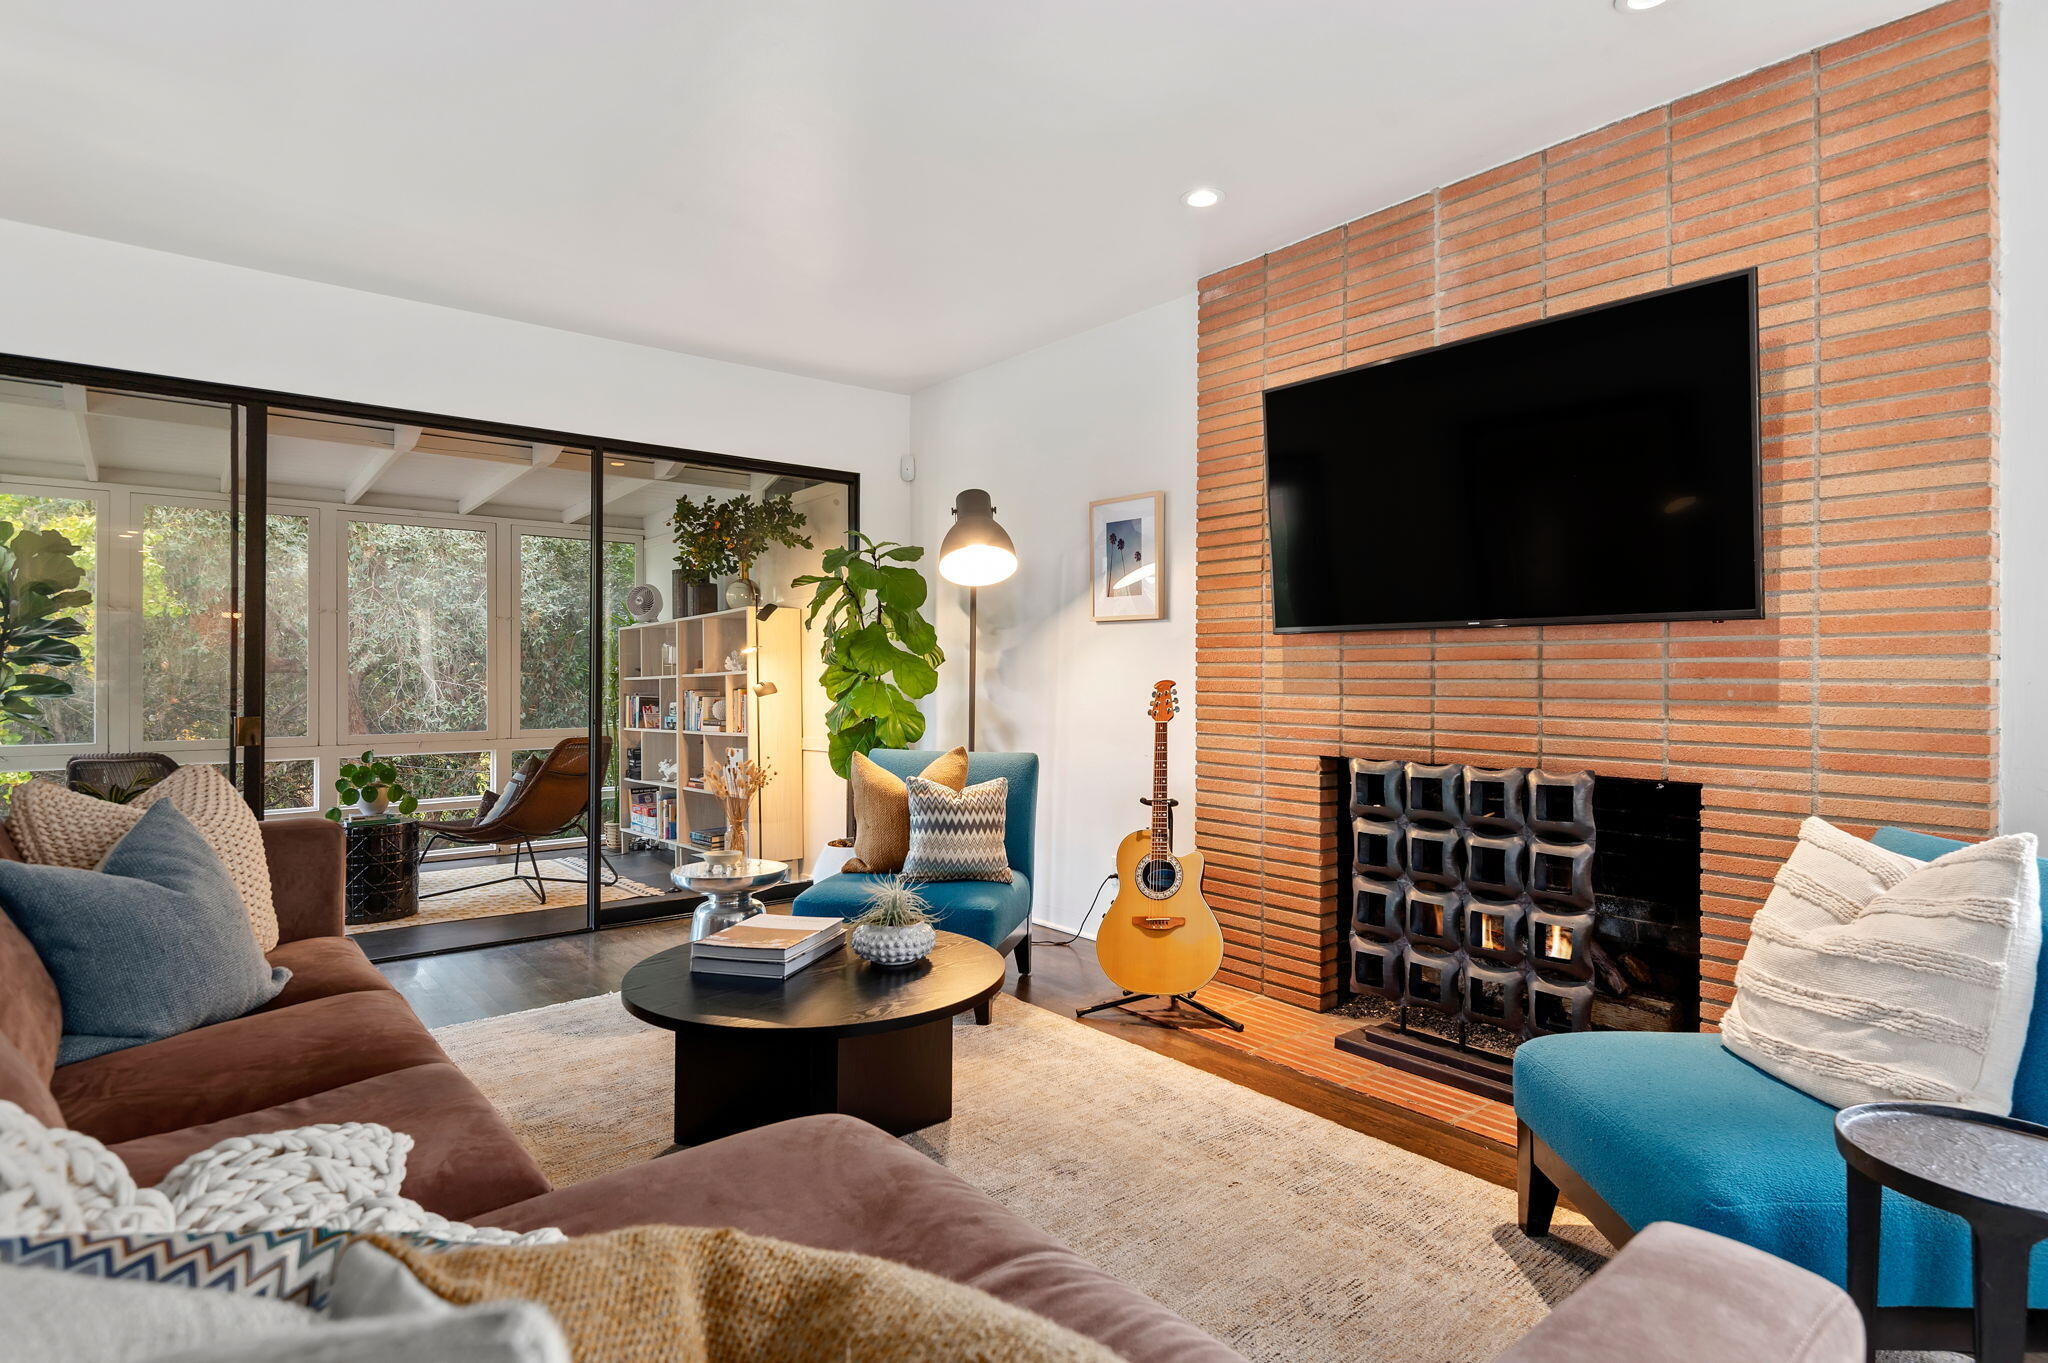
[{"x": 901, "y": 589}]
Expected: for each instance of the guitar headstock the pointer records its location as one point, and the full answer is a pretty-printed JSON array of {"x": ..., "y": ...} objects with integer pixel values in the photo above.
[{"x": 1165, "y": 701}]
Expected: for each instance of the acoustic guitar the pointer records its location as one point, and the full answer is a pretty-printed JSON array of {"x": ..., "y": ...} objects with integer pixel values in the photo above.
[{"x": 1160, "y": 937}]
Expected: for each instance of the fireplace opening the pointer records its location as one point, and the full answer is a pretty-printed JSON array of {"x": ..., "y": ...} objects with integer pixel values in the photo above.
[{"x": 1491, "y": 905}]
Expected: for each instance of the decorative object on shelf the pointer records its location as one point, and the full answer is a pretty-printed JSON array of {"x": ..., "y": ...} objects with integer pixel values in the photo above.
[
  {"x": 666, "y": 770},
  {"x": 371, "y": 786},
  {"x": 736, "y": 661},
  {"x": 976, "y": 553},
  {"x": 714, "y": 538},
  {"x": 643, "y": 603},
  {"x": 1129, "y": 557},
  {"x": 689, "y": 595},
  {"x": 736, "y": 784},
  {"x": 832, "y": 858},
  {"x": 895, "y": 929},
  {"x": 39, "y": 603},
  {"x": 880, "y": 653},
  {"x": 715, "y": 714},
  {"x": 728, "y": 890}
]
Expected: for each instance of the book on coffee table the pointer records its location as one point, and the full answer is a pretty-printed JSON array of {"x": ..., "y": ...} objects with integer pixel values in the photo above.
[{"x": 768, "y": 946}]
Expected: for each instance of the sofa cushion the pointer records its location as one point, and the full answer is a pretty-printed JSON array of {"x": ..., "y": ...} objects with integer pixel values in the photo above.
[
  {"x": 881, "y": 808},
  {"x": 839, "y": 1183},
  {"x": 55, "y": 826},
  {"x": 242, "y": 1066},
  {"x": 27, "y": 1085},
  {"x": 985, "y": 910},
  {"x": 31, "y": 1017},
  {"x": 957, "y": 835},
  {"x": 464, "y": 1159},
  {"x": 153, "y": 943},
  {"x": 321, "y": 967},
  {"x": 2030, "y": 1083},
  {"x": 1672, "y": 1126}
]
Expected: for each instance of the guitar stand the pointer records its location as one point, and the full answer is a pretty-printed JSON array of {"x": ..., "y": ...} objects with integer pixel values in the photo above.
[{"x": 1171, "y": 1000}]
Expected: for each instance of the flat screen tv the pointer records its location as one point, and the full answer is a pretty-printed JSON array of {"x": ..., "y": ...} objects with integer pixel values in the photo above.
[{"x": 1597, "y": 466}]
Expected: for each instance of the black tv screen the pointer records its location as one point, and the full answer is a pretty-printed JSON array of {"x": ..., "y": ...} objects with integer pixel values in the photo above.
[{"x": 1596, "y": 466}]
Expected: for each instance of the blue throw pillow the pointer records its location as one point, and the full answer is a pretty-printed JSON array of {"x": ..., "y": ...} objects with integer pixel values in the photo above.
[{"x": 153, "y": 943}]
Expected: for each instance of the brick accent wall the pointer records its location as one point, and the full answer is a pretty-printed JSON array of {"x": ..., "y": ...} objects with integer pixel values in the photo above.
[{"x": 1860, "y": 181}]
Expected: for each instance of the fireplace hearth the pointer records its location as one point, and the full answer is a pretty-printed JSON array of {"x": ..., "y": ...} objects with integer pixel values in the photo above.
[{"x": 1485, "y": 906}]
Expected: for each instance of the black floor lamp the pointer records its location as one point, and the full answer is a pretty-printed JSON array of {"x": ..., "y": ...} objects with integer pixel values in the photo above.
[{"x": 976, "y": 553}]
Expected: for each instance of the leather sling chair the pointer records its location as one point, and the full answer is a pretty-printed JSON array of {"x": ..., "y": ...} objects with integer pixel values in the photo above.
[{"x": 538, "y": 802}]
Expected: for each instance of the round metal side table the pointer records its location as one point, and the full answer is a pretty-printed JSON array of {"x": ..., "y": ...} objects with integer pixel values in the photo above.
[{"x": 729, "y": 893}]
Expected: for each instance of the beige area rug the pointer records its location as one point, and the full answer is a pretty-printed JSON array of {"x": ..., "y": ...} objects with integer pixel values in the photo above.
[
  {"x": 1286, "y": 1236},
  {"x": 488, "y": 901}
]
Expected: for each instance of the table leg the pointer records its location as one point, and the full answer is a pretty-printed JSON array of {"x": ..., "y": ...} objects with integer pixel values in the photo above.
[
  {"x": 1866, "y": 1206},
  {"x": 734, "y": 1079},
  {"x": 1998, "y": 1267}
]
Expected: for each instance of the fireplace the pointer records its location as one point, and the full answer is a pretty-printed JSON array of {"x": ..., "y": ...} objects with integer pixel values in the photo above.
[{"x": 1485, "y": 906}]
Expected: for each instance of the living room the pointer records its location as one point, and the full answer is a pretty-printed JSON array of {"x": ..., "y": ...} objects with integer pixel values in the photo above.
[{"x": 917, "y": 512}]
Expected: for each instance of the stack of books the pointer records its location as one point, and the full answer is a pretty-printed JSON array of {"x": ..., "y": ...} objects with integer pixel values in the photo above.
[{"x": 769, "y": 946}]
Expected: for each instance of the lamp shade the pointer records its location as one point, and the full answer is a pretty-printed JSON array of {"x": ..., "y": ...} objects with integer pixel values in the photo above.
[{"x": 976, "y": 551}]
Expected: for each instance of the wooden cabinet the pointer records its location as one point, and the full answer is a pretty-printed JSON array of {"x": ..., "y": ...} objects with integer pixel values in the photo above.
[{"x": 691, "y": 692}]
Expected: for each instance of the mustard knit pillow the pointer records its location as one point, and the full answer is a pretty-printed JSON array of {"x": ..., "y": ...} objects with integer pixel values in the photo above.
[{"x": 881, "y": 809}]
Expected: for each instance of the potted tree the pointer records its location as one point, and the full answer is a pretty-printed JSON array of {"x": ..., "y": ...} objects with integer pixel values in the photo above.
[
  {"x": 880, "y": 654},
  {"x": 715, "y": 538}
]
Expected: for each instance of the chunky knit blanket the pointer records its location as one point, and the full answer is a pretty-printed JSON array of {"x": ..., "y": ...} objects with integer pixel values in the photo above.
[{"x": 677, "y": 1294}]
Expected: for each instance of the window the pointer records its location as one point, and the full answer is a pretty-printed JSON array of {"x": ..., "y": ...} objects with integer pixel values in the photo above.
[
  {"x": 187, "y": 625},
  {"x": 554, "y": 624},
  {"x": 286, "y": 785},
  {"x": 443, "y": 775},
  {"x": 418, "y": 629},
  {"x": 62, "y": 719}
]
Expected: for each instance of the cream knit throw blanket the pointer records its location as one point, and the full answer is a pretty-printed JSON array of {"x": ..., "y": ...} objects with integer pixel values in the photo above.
[
  {"x": 676, "y": 1294},
  {"x": 1873, "y": 976}
]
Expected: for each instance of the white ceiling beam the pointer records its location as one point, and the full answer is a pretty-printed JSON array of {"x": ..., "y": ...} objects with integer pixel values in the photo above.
[
  {"x": 81, "y": 430},
  {"x": 615, "y": 488},
  {"x": 500, "y": 479},
  {"x": 404, "y": 439}
]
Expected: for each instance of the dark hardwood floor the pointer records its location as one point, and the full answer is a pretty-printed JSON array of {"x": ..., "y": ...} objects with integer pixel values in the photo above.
[{"x": 464, "y": 986}]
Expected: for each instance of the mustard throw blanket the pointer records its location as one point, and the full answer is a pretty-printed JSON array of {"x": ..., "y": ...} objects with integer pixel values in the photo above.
[{"x": 681, "y": 1294}]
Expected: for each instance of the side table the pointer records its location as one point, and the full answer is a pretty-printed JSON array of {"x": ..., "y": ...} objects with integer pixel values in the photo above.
[
  {"x": 1990, "y": 1171},
  {"x": 381, "y": 883}
]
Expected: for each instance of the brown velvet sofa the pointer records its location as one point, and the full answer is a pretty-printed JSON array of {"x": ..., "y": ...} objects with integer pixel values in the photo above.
[{"x": 339, "y": 1044}]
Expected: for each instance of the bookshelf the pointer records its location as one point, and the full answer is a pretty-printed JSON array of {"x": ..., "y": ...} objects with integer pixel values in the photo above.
[{"x": 679, "y": 702}]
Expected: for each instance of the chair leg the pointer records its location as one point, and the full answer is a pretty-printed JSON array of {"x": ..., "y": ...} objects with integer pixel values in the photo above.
[
  {"x": 1024, "y": 950},
  {"x": 538, "y": 885},
  {"x": 984, "y": 1014},
  {"x": 1535, "y": 1194},
  {"x": 609, "y": 869}
]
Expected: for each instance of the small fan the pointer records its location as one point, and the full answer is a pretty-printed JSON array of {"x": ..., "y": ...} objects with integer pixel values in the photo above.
[{"x": 643, "y": 603}]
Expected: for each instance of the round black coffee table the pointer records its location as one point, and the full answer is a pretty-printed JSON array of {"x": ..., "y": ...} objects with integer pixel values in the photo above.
[
  {"x": 840, "y": 1035},
  {"x": 1991, "y": 1171}
]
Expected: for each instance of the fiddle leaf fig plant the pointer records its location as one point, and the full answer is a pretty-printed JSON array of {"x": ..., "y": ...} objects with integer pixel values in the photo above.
[
  {"x": 880, "y": 653},
  {"x": 39, "y": 600},
  {"x": 368, "y": 781}
]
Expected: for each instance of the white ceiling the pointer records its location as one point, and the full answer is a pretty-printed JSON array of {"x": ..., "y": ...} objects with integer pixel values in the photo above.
[{"x": 883, "y": 191}]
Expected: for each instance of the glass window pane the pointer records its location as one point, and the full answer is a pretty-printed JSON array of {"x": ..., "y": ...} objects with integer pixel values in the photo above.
[
  {"x": 442, "y": 775},
  {"x": 418, "y": 617},
  {"x": 554, "y": 640},
  {"x": 187, "y": 633},
  {"x": 64, "y": 716},
  {"x": 287, "y": 786}
]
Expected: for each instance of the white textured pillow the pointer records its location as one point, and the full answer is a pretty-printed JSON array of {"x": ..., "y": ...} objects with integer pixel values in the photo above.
[
  {"x": 1872, "y": 976},
  {"x": 342, "y": 1176},
  {"x": 54, "y": 825}
]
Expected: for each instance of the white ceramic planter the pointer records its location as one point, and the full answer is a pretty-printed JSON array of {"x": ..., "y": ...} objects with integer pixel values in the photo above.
[
  {"x": 831, "y": 859},
  {"x": 894, "y": 947}
]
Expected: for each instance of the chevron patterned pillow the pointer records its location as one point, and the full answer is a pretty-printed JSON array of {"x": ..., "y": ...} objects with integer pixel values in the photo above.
[
  {"x": 957, "y": 835},
  {"x": 292, "y": 1265}
]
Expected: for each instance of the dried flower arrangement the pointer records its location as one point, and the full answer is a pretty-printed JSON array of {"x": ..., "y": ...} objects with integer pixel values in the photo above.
[{"x": 736, "y": 784}]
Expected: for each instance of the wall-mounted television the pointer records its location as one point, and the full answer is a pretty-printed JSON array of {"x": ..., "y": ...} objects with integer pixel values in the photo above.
[{"x": 1596, "y": 466}]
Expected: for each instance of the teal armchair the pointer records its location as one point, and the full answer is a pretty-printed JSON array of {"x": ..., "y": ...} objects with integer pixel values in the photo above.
[{"x": 986, "y": 910}]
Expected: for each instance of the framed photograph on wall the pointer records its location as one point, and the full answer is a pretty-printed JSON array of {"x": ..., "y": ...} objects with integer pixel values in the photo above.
[{"x": 1129, "y": 557}]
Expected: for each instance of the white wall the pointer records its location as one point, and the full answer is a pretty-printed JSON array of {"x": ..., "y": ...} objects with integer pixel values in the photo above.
[
  {"x": 2023, "y": 418},
  {"x": 68, "y": 297},
  {"x": 1105, "y": 413}
]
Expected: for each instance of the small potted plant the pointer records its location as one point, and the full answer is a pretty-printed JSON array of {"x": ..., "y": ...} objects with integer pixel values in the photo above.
[
  {"x": 371, "y": 787},
  {"x": 896, "y": 928}
]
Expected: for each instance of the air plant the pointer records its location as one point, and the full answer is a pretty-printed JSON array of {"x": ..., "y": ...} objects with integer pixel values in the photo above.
[{"x": 895, "y": 903}]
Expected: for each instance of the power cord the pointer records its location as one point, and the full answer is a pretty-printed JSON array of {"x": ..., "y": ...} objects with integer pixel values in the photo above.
[{"x": 1073, "y": 936}]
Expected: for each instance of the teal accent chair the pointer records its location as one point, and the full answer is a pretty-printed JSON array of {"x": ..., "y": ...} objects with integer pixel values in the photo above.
[
  {"x": 986, "y": 910},
  {"x": 1638, "y": 1127}
]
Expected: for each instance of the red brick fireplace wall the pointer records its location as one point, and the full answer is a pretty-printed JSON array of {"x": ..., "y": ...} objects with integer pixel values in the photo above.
[{"x": 1859, "y": 181}]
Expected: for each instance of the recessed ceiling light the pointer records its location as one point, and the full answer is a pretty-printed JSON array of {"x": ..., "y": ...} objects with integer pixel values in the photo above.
[
  {"x": 1202, "y": 198},
  {"x": 1636, "y": 6}
]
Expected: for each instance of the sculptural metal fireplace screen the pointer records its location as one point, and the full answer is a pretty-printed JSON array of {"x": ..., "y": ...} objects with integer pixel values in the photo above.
[{"x": 1484, "y": 906}]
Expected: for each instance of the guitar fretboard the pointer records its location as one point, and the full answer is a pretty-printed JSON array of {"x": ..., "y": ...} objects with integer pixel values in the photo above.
[{"x": 1162, "y": 842}]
